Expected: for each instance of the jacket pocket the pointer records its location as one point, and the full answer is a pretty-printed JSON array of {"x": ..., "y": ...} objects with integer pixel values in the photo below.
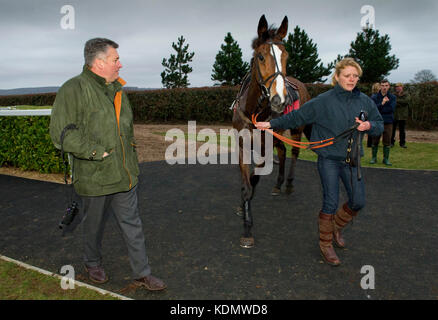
[
  {"x": 107, "y": 171},
  {"x": 132, "y": 158}
]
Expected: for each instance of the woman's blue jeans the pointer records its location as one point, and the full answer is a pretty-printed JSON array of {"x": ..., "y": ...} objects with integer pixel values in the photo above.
[{"x": 331, "y": 172}]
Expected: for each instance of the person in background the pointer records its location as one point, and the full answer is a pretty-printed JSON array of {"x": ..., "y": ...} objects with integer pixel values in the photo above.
[
  {"x": 330, "y": 114},
  {"x": 400, "y": 116},
  {"x": 105, "y": 163},
  {"x": 374, "y": 89},
  {"x": 386, "y": 103}
]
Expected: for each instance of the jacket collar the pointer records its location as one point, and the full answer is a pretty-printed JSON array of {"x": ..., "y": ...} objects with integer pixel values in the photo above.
[
  {"x": 118, "y": 83},
  {"x": 388, "y": 94},
  {"x": 344, "y": 93}
]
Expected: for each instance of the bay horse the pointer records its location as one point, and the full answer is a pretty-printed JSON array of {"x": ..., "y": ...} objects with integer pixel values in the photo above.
[{"x": 267, "y": 96}]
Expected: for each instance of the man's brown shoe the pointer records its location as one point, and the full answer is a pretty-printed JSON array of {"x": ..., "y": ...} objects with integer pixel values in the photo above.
[
  {"x": 150, "y": 283},
  {"x": 96, "y": 274},
  {"x": 326, "y": 229}
]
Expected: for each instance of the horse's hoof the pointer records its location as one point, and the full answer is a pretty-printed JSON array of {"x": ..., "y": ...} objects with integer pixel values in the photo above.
[
  {"x": 239, "y": 212},
  {"x": 289, "y": 189},
  {"x": 275, "y": 191},
  {"x": 247, "y": 243}
]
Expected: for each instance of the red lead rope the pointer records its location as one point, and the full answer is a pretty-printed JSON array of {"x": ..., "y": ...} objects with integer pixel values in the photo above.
[{"x": 298, "y": 144}]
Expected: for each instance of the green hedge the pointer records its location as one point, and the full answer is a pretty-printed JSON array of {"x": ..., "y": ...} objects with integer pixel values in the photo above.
[
  {"x": 42, "y": 99},
  {"x": 423, "y": 113},
  {"x": 211, "y": 104},
  {"x": 200, "y": 104},
  {"x": 25, "y": 143}
]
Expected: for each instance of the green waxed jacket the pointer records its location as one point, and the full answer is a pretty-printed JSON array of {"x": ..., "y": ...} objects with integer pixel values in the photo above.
[
  {"x": 402, "y": 107},
  {"x": 89, "y": 103}
]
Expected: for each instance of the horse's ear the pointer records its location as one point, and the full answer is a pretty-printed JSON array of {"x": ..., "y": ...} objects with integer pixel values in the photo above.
[
  {"x": 282, "y": 31},
  {"x": 263, "y": 26}
]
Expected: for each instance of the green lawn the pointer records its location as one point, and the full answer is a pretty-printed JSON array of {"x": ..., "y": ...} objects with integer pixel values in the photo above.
[
  {"x": 418, "y": 156},
  {"x": 18, "y": 283}
]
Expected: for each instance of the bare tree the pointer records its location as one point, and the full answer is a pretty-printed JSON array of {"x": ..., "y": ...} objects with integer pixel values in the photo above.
[{"x": 425, "y": 75}]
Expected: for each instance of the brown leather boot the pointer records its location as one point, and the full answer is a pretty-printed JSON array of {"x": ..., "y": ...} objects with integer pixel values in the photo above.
[
  {"x": 151, "y": 283},
  {"x": 326, "y": 229},
  {"x": 342, "y": 217}
]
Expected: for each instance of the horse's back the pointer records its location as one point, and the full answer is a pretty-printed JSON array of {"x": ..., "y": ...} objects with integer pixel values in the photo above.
[
  {"x": 304, "y": 94},
  {"x": 304, "y": 97}
]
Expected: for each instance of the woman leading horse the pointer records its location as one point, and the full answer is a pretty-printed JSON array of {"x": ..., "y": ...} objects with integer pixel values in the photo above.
[{"x": 331, "y": 114}]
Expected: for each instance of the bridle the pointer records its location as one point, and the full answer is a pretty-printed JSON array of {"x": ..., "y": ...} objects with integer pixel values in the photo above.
[{"x": 266, "y": 91}]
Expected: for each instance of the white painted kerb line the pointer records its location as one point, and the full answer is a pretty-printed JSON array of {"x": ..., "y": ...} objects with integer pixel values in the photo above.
[{"x": 48, "y": 273}]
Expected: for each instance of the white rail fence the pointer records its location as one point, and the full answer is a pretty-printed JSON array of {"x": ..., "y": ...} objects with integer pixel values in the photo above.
[{"x": 16, "y": 112}]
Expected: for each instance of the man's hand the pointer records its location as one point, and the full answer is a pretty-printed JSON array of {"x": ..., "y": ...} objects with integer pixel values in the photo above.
[
  {"x": 385, "y": 100},
  {"x": 105, "y": 154},
  {"x": 363, "y": 125}
]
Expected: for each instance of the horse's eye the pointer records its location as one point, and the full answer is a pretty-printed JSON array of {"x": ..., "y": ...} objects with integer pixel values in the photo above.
[{"x": 261, "y": 58}]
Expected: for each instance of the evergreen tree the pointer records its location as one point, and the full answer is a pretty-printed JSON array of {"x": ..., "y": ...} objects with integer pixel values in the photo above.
[
  {"x": 177, "y": 66},
  {"x": 229, "y": 68},
  {"x": 371, "y": 51},
  {"x": 304, "y": 63}
]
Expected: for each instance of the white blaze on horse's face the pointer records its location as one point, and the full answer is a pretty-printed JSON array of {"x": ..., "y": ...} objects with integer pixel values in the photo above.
[{"x": 279, "y": 86}]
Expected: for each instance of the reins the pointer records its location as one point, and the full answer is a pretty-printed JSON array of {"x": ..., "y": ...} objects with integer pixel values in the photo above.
[{"x": 309, "y": 145}]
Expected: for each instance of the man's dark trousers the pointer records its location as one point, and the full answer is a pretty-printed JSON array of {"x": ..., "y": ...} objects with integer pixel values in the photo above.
[
  {"x": 124, "y": 206},
  {"x": 402, "y": 131}
]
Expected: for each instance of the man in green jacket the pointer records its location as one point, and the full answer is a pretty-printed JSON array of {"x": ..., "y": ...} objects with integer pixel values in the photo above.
[
  {"x": 105, "y": 164},
  {"x": 401, "y": 115}
]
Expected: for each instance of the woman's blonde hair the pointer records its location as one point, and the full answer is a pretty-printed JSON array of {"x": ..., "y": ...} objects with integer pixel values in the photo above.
[
  {"x": 375, "y": 88},
  {"x": 346, "y": 62}
]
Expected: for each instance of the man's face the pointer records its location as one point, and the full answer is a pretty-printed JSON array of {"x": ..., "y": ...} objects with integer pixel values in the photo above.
[
  {"x": 384, "y": 87},
  {"x": 399, "y": 89},
  {"x": 111, "y": 65}
]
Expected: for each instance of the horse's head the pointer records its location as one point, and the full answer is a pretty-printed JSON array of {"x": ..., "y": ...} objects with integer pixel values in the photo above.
[{"x": 269, "y": 62}]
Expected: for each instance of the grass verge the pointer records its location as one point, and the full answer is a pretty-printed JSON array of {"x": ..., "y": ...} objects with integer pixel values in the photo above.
[
  {"x": 19, "y": 283},
  {"x": 417, "y": 155}
]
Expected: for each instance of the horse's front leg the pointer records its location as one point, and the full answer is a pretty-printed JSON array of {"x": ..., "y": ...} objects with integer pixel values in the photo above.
[
  {"x": 247, "y": 190},
  {"x": 281, "y": 152}
]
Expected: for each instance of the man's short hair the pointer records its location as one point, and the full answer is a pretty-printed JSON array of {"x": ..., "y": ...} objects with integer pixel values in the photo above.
[
  {"x": 95, "y": 47},
  {"x": 384, "y": 81}
]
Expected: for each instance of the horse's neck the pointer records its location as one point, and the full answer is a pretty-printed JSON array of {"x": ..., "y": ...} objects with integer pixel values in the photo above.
[{"x": 253, "y": 95}]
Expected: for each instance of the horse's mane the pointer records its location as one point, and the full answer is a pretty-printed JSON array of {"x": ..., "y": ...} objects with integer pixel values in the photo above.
[{"x": 267, "y": 35}]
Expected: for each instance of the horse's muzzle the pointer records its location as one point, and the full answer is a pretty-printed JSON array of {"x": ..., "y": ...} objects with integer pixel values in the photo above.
[{"x": 276, "y": 104}]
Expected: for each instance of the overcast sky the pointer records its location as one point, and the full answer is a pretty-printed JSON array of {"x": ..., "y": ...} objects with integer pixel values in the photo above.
[{"x": 37, "y": 51}]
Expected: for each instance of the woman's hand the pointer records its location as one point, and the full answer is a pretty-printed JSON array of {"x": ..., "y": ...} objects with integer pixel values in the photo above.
[
  {"x": 263, "y": 125},
  {"x": 363, "y": 125}
]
